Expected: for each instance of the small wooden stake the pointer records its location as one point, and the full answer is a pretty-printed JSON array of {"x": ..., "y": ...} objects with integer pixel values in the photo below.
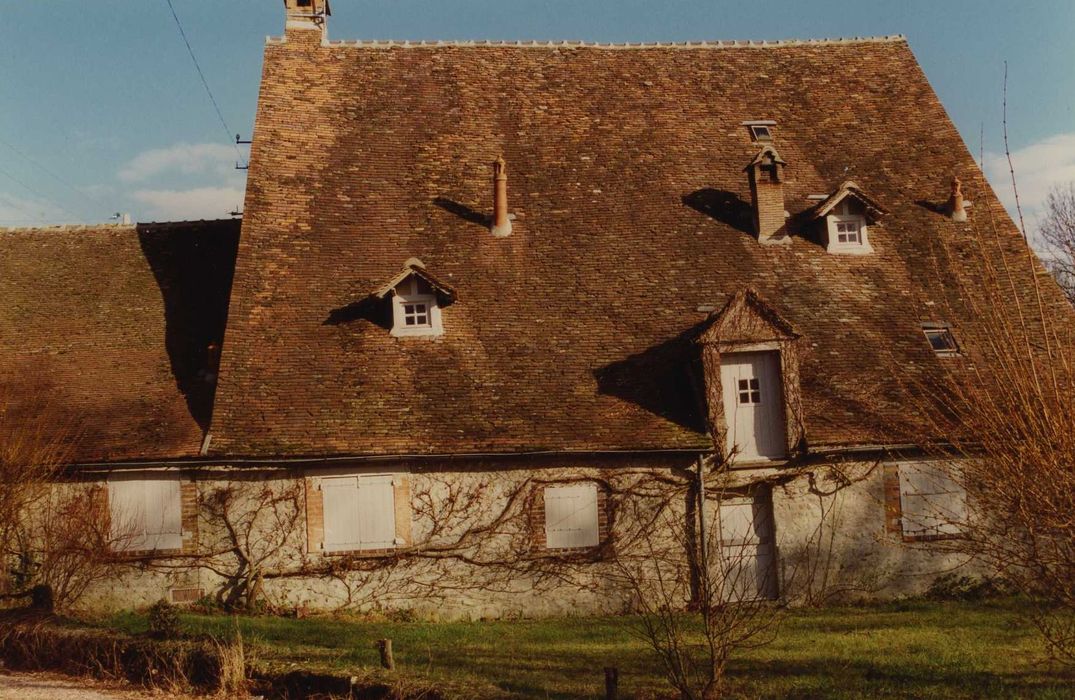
[
  {"x": 612, "y": 683},
  {"x": 385, "y": 647}
]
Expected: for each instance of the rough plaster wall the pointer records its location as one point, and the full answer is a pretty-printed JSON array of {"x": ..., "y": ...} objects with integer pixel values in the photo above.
[
  {"x": 862, "y": 561},
  {"x": 856, "y": 557}
]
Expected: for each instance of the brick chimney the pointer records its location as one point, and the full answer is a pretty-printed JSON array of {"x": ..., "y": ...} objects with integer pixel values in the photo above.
[
  {"x": 956, "y": 208},
  {"x": 501, "y": 221},
  {"x": 307, "y": 15},
  {"x": 766, "y": 173}
]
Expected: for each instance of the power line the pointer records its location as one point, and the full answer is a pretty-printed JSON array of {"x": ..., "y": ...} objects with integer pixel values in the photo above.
[
  {"x": 197, "y": 67},
  {"x": 91, "y": 200},
  {"x": 37, "y": 194}
]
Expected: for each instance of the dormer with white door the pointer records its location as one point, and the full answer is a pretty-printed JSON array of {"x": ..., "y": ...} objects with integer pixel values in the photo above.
[{"x": 750, "y": 363}]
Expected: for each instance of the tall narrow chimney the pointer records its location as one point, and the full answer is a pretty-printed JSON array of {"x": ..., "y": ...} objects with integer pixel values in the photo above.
[
  {"x": 766, "y": 174},
  {"x": 956, "y": 209},
  {"x": 307, "y": 15},
  {"x": 501, "y": 221}
]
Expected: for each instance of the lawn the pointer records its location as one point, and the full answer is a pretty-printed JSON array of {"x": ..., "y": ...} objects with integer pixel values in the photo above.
[{"x": 909, "y": 649}]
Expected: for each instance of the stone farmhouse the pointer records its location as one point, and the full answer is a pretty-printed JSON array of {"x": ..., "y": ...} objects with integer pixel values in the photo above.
[{"x": 480, "y": 287}]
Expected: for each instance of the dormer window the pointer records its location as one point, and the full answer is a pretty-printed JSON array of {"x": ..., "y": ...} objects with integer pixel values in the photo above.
[
  {"x": 842, "y": 220},
  {"x": 847, "y": 229},
  {"x": 414, "y": 308}
]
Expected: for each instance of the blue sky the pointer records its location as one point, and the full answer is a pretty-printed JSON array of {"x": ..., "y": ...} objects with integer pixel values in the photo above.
[{"x": 103, "y": 111}]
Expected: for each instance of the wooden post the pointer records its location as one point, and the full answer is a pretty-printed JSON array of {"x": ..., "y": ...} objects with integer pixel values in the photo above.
[
  {"x": 612, "y": 683},
  {"x": 385, "y": 647}
]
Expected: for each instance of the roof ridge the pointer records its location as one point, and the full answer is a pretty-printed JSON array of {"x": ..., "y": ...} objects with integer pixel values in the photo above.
[
  {"x": 718, "y": 44},
  {"x": 49, "y": 228}
]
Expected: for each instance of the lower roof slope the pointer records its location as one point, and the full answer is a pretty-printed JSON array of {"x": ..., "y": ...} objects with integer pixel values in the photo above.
[
  {"x": 626, "y": 176},
  {"x": 103, "y": 329}
]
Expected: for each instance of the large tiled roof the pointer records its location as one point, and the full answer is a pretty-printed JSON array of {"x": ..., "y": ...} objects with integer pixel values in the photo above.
[
  {"x": 626, "y": 176},
  {"x": 104, "y": 328}
]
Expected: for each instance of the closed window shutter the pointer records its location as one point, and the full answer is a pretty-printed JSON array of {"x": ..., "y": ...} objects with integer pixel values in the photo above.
[
  {"x": 342, "y": 530},
  {"x": 932, "y": 502},
  {"x": 571, "y": 516},
  {"x": 359, "y": 512},
  {"x": 164, "y": 519},
  {"x": 127, "y": 512},
  {"x": 376, "y": 512},
  {"x": 146, "y": 513}
]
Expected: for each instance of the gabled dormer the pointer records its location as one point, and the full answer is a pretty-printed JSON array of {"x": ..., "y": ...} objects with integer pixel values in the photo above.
[
  {"x": 417, "y": 298},
  {"x": 750, "y": 363},
  {"x": 843, "y": 218}
]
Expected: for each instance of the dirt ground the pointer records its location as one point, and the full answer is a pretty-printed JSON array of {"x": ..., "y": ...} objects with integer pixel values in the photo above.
[{"x": 48, "y": 686}]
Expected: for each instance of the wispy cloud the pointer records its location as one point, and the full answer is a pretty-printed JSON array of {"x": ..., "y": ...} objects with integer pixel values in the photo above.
[
  {"x": 186, "y": 158},
  {"x": 1038, "y": 168},
  {"x": 198, "y": 203}
]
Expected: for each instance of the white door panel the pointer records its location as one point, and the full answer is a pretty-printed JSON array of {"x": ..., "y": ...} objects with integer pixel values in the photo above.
[{"x": 753, "y": 405}]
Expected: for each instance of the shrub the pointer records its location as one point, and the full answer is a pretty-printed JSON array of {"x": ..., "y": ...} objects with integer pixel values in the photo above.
[
  {"x": 953, "y": 587},
  {"x": 164, "y": 620}
]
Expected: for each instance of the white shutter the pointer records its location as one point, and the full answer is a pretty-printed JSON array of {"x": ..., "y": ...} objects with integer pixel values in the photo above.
[
  {"x": 127, "y": 512},
  {"x": 931, "y": 501},
  {"x": 571, "y": 516},
  {"x": 146, "y": 512},
  {"x": 164, "y": 519},
  {"x": 376, "y": 512},
  {"x": 340, "y": 496},
  {"x": 359, "y": 512}
]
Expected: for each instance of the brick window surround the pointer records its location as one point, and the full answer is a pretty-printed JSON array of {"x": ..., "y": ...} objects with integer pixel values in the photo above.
[
  {"x": 538, "y": 542},
  {"x": 188, "y": 500},
  {"x": 894, "y": 510}
]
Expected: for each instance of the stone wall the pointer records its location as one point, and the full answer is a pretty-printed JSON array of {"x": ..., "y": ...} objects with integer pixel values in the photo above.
[{"x": 473, "y": 548}]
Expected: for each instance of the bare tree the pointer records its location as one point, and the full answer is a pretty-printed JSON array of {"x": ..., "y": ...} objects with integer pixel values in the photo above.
[
  {"x": 1058, "y": 233},
  {"x": 701, "y": 559},
  {"x": 54, "y": 531}
]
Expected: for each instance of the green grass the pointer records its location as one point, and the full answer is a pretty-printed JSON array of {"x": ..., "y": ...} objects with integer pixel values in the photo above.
[{"x": 910, "y": 649}]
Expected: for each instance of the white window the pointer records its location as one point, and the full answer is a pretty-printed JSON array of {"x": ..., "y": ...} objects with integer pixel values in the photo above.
[
  {"x": 847, "y": 230},
  {"x": 145, "y": 512},
  {"x": 571, "y": 518},
  {"x": 359, "y": 512},
  {"x": 932, "y": 502},
  {"x": 414, "y": 309},
  {"x": 744, "y": 550}
]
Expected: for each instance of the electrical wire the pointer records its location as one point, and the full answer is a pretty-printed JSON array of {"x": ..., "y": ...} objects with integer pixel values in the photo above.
[
  {"x": 205, "y": 83},
  {"x": 37, "y": 194},
  {"x": 97, "y": 204}
]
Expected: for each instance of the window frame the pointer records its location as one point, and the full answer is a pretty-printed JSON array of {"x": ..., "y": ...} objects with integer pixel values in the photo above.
[
  {"x": 761, "y": 133},
  {"x": 945, "y": 330},
  {"x": 406, "y": 293}
]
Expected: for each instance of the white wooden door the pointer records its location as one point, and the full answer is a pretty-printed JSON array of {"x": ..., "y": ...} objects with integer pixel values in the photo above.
[
  {"x": 744, "y": 550},
  {"x": 753, "y": 405}
]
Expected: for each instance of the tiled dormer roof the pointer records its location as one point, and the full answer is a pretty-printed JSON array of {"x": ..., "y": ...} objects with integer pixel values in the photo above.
[
  {"x": 632, "y": 216},
  {"x": 104, "y": 330}
]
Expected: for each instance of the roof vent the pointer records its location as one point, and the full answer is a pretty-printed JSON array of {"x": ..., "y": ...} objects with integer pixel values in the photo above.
[{"x": 501, "y": 221}]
